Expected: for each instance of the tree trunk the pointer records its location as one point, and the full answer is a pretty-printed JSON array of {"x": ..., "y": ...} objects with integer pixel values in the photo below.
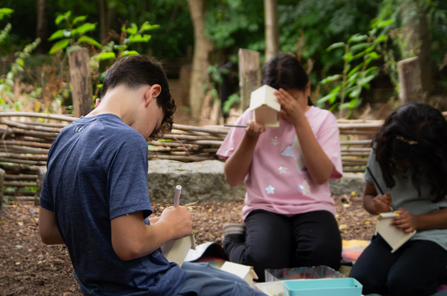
[
  {"x": 202, "y": 49},
  {"x": 271, "y": 28},
  {"x": 421, "y": 37},
  {"x": 41, "y": 30},
  {"x": 102, "y": 20},
  {"x": 81, "y": 81}
]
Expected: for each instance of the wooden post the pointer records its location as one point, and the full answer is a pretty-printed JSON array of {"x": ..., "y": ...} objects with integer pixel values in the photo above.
[
  {"x": 81, "y": 81},
  {"x": 271, "y": 29},
  {"x": 249, "y": 75},
  {"x": 410, "y": 81}
]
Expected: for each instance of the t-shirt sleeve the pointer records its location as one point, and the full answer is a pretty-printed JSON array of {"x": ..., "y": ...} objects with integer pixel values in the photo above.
[
  {"x": 372, "y": 165},
  {"x": 127, "y": 179},
  {"x": 329, "y": 139},
  {"x": 234, "y": 136}
]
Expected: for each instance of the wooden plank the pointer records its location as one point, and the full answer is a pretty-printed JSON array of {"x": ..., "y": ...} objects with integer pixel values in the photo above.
[
  {"x": 249, "y": 75},
  {"x": 81, "y": 81},
  {"x": 410, "y": 81}
]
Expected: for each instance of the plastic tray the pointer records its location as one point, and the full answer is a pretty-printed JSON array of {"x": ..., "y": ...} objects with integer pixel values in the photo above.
[
  {"x": 315, "y": 272},
  {"x": 323, "y": 287}
]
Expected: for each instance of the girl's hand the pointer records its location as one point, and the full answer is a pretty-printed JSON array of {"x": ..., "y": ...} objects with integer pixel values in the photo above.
[
  {"x": 291, "y": 110},
  {"x": 405, "y": 221},
  {"x": 254, "y": 129},
  {"x": 382, "y": 203}
]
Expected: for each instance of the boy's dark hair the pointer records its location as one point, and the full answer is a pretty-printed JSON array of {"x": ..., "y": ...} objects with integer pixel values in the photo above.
[
  {"x": 136, "y": 71},
  {"x": 285, "y": 71},
  {"x": 416, "y": 135}
]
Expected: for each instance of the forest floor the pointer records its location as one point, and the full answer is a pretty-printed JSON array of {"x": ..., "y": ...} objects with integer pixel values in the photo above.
[{"x": 28, "y": 267}]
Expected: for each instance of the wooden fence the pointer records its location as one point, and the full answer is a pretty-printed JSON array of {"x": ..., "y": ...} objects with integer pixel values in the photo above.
[{"x": 27, "y": 138}]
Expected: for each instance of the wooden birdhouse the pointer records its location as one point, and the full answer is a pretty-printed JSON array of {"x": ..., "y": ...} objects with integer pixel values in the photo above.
[
  {"x": 393, "y": 236},
  {"x": 245, "y": 272},
  {"x": 176, "y": 250},
  {"x": 265, "y": 107}
]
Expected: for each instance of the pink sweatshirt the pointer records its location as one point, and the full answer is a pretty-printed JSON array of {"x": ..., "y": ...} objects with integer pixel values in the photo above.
[{"x": 278, "y": 180}]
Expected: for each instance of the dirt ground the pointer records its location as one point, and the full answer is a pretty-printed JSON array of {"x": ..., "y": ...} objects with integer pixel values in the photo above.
[{"x": 28, "y": 267}]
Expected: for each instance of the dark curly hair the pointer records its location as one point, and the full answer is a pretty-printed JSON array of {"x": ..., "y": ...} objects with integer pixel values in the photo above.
[
  {"x": 136, "y": 71},
  {"x": 415, "y": 135},
  {"x": 285, "y": 71}
]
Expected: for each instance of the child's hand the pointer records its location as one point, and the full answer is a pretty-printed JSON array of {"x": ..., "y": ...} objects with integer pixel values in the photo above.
[
  {"x": 291, "y": 110},
  {"x": 405, "y": 221},
  {"x": 254, "y": 129},
  {"x": 179, "y": 220},
  {"x": 382, "y": 203}
]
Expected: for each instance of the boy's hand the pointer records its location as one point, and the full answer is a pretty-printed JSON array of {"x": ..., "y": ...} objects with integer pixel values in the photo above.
[
  {"x": 179, "y": 220},
  {"x": 382, "y": 203},
  {"x": 405, "y": 221},
  {"x": 254, "y": 129},
  {"x": 291, "y": 110}
]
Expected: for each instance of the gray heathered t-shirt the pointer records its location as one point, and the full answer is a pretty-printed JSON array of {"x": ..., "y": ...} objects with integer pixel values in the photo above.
[
  {"x": 405, "y": 196},
  {"x": 97, "y": 171}
]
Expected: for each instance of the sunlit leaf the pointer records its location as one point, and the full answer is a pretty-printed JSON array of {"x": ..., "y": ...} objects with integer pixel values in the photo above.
[
  {"x": 139, "y": 38},
  {"x": 56, "y": 35},
  {"x": 129, "y": 52},
  {"x": 59, "y": 19},
  {"x": 336, "y": 45},
  {"x": 86, "y": 28},
  {"x": 61, "y": 44},
  {"x": 79, "y": 19},
  {"x": 132, "y": 30},
  {"x": 327, "y": 98},
  {"x": 89, "y": 40},
  {"x": 107, "y": 55},
  {"x": 146, "y": 27},
  {"x": 330, "y": 79},
  {"x": 357, "y": 38}
]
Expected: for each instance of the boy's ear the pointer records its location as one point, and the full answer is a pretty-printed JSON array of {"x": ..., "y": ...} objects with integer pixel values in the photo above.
[{"x": 152, "y": 93}]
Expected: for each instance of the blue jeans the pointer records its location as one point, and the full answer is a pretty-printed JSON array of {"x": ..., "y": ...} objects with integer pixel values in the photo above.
[{"x": 206, "y": 280}]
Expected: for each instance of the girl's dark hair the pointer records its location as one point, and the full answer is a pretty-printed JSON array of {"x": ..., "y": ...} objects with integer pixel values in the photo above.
[
  {"x": 285, "y": 71},
  {"x": 416, "y": 135},
  {"x": 136, "y": 71}
]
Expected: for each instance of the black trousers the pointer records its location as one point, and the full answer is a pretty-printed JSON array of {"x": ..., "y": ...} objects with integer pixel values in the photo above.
[
  {"x": 416, "y": 268},
  {"x": 274, "y": 241}
]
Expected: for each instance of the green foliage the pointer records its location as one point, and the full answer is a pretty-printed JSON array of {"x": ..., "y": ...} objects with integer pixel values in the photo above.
[
  {"x": 5, "y": 12},
  {"x": 72, "y": 34},
  {"x": 215, "y": 78},
  {"x": 359, "y": 52}
]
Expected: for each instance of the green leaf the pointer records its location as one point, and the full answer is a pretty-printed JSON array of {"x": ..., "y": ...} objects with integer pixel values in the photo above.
[
  {"x": 368, "y": 71},
  {"x": 384, "y": 23},
  {"x": 79, "y": 19},
  {"x": 59, "y": 19},
  {"x": 139, "y": 38},
  {"x": 358, "y": 46},
  {"x": 86, "y": 28},
  {"x": 354, "y": 77},
  {"x": 56, "y": 35},
  {"x": 367, "y": 79},
  {"x": 335, "y": 90},
  {"x": 348, "y": 57},
  {"x": 20, "y": 62},
  {"x": 132, "y": 30},
  {"x": 99, "y": 86},
  {"x": 129, "y": 52},
  {"x": 355, "y": 70},
  {"x": 355, "y": 103},
  {"x": 330, "y": 79},
  {"x": 330, "y": 97},
  {"x": 107, "y": 55},
  {"x": 355, "y": 93},
  {"x": 119, "y": 47},
  {"x": 68, "y": 14},
  {"x": 381, "y": 38},
  {"x": 336, "y": 45},
  {"x": 146, "y": 27},
  {"x": 89, "y": 40},
  {"x": 359, "y": 55},
  {"x": 373, "y": 56},
  {"x": 357, "y": 38},
  {"x": 61, "y": 44}
]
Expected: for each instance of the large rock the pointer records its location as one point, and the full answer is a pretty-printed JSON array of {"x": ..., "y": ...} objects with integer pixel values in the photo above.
[
  {"x": 347, "y": 184},
  {"x": 203, "y": 181}
]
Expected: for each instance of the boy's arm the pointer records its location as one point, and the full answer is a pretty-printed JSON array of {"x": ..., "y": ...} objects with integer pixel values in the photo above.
[
  {"x": 131, "y": 238},
  {"x": 49, "y": 233},
  {"x": 238, "y": 164}
]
